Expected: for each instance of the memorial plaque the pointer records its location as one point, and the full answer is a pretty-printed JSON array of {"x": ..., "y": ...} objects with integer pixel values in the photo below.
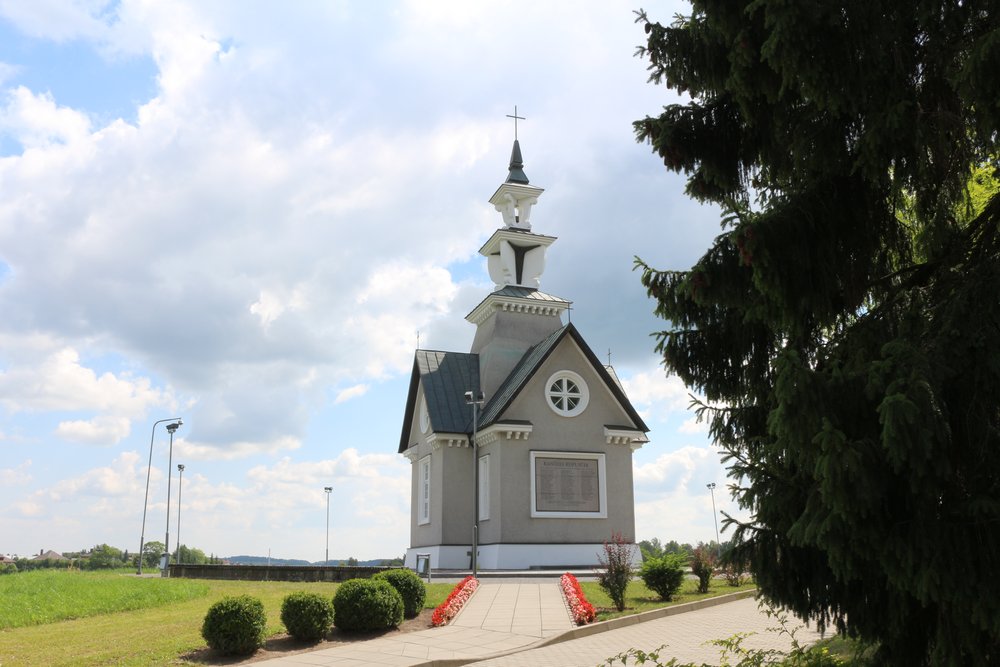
[{"x": 567, "y": 485}]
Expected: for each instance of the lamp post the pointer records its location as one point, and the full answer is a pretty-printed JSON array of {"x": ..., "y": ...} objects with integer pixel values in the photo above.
[
  {"x": 149, "y": 467},
  {"x": 171, "y": 428},
  {"x": 475, "y": 399},
  {"x": 715, "y": 517},
  {"x": 180, "y": 488},
  {"x": 328, "y": 489}
]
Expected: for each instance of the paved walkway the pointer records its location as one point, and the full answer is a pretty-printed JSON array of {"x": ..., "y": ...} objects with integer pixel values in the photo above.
[
  {"x": 686, "y": 636},
  {"x": 506, "y": 619},
  {"x": 499, "y": 617}
]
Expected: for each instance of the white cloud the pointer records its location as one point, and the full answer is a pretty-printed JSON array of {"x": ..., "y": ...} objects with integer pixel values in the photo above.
[
  {"x": 657, "y": 393},
  {"x": 57, "y": 380},
  {"x": 199, "y": 451},
  {"x": 351, "y": 392},
  {"x": 54, "y": 19},
  {"x": 672, "y": 498},
  {"x": 37, "y": 122},
  {"x": 102, "y": 430},
  {"x": 17, "y": 476},
  {"x": 7, "y": 72},
  {"x": 693, "y": 426},
  {"x": 118, "y": 480},
  {"x": 675, "y": 470}
]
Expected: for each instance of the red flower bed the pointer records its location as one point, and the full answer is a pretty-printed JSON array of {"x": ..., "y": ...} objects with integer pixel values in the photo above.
[
  {"x": 456, "y": 599},
  {"x": 583, "y": 612}
]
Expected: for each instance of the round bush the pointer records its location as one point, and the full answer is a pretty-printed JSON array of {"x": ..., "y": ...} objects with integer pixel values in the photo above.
[
  {"x": 663, "y": 575},
  {"x": 410, "y": 586},
  {"x": 307, "y": 616},
  {"x": 235, "y": 625},
  {"x": 361, "y": 605}
]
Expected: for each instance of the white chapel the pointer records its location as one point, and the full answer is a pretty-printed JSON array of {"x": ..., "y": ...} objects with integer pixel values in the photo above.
[{"x": 554, "y": 432}]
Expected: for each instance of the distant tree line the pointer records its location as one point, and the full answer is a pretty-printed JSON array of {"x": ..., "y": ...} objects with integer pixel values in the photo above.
[
  {"x": 653, "y": 548},
  {"x": 107, "y": 557}
]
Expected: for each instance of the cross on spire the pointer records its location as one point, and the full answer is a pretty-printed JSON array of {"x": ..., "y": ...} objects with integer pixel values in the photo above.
[{"x": 516, "y": 118}]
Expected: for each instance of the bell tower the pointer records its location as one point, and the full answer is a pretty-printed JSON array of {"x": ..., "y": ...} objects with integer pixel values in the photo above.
[{"x": 516, "y": 315}]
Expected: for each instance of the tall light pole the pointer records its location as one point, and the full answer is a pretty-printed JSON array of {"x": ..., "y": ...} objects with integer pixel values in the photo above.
[
  {"x": 149, "y": 467},
  {"x": 328, "y": 489},
  {"x": 715, "y": 517},
  {"x": 171, "y": 428},
  {"x": 180, "y": 488},
  {"x": 475, "y": 399}
]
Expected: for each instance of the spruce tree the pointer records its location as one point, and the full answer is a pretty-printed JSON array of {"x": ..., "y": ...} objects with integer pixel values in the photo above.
[{"x": 845, "y": 325}]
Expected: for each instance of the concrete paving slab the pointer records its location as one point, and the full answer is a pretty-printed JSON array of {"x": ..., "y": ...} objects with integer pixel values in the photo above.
[{"x": 526, "y": 623}]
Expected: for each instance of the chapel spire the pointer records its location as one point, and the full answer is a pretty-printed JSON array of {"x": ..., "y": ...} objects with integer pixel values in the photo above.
[{"x": 516, "y": 169}]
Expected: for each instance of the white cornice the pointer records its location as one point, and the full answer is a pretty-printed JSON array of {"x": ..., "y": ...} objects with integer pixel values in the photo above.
[
  {"x": 498, "y": 432},
  {"x": 439, "y": 440},
  {"x": 622, "y": 436},
  {"x": 511, "y": 304},
  {"x": 518, "y": 238}
]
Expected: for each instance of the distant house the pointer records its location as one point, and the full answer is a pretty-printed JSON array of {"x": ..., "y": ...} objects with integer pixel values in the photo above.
[
  {"x": 49, "y": 555},
  {"x": 5, "y": 559}
]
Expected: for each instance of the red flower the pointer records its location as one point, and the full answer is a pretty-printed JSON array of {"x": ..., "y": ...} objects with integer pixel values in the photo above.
[
  {"x": 583, "y": 612},
  {"x": 459, "y": 595}
]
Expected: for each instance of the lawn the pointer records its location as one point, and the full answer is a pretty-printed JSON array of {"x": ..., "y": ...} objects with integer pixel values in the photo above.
[
  {"x": 638, "y": 598},
  {"x": 118, "y": 619},
  {"x": 148, "y": 636},
  {"x": 46, "y": 596}
]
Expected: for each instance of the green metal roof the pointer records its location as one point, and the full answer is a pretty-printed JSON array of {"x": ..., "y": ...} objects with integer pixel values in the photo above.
[{"x": 445, "y": 376}]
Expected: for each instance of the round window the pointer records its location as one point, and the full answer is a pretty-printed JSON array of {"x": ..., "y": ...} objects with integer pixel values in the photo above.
[
  {"x": 425, "y": 417},
  {"x": 567, "y": 393}
]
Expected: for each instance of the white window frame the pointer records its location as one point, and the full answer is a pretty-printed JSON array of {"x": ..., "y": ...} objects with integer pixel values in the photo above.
[
  {"x": 484, "y": 487},
  {"x": 602, "y": 480},
  {"x": 553, "y": 397},
  {"x": 424, "y": 491}
]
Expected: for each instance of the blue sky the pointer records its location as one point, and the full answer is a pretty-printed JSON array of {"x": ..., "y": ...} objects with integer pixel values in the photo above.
[{"x": 243, "y": 213}]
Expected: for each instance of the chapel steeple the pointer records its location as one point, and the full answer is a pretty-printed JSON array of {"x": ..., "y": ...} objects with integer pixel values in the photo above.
[
  {"x": 516, "y": 315},
  {"x": 516, "y": 168}
]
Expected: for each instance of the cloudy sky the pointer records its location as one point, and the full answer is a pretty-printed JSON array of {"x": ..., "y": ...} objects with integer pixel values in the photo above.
[{"x": 244, "y": 213}]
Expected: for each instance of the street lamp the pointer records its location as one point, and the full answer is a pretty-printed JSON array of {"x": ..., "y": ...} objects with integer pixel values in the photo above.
[
  {"x": 149, "y": 467},
  {"x": 715, "y": 517},
  {"x": 328, "y": 489},
  {"x": 171, "y": 428},
  {"x": 475, "y": 399},
  {"x": 180, "y": 488}
]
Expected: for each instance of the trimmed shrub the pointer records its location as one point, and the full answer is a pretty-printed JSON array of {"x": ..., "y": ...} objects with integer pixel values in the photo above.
[
  {"x": 617, "y": 562},
  {"x": 734, "y": 576},
  {"x": 703, "y": 566},
  {"x": 410, "y": 587},
  {"x": 307, "y": 616},
  {"x": 361, "y": 605},
  {"x": 664, "y": 575},
  {"x": 235, "y": 625}
]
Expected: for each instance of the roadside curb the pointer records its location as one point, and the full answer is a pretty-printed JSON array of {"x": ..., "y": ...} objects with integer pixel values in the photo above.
[{"x": 595, "y": 628}]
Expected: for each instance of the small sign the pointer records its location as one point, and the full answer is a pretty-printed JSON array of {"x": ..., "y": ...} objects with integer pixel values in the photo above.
[{"x": 424, "y": 565}]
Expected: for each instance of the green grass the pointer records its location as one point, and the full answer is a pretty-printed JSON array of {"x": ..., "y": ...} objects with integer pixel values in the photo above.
[
  {"x": 148, "y": 636},
  {"x": 45, "y": 596},
  {"x": 638, "y": 598}
]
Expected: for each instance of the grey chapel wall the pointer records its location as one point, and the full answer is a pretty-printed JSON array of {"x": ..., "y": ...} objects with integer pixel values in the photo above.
[{"x": 552, "y": 432}]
